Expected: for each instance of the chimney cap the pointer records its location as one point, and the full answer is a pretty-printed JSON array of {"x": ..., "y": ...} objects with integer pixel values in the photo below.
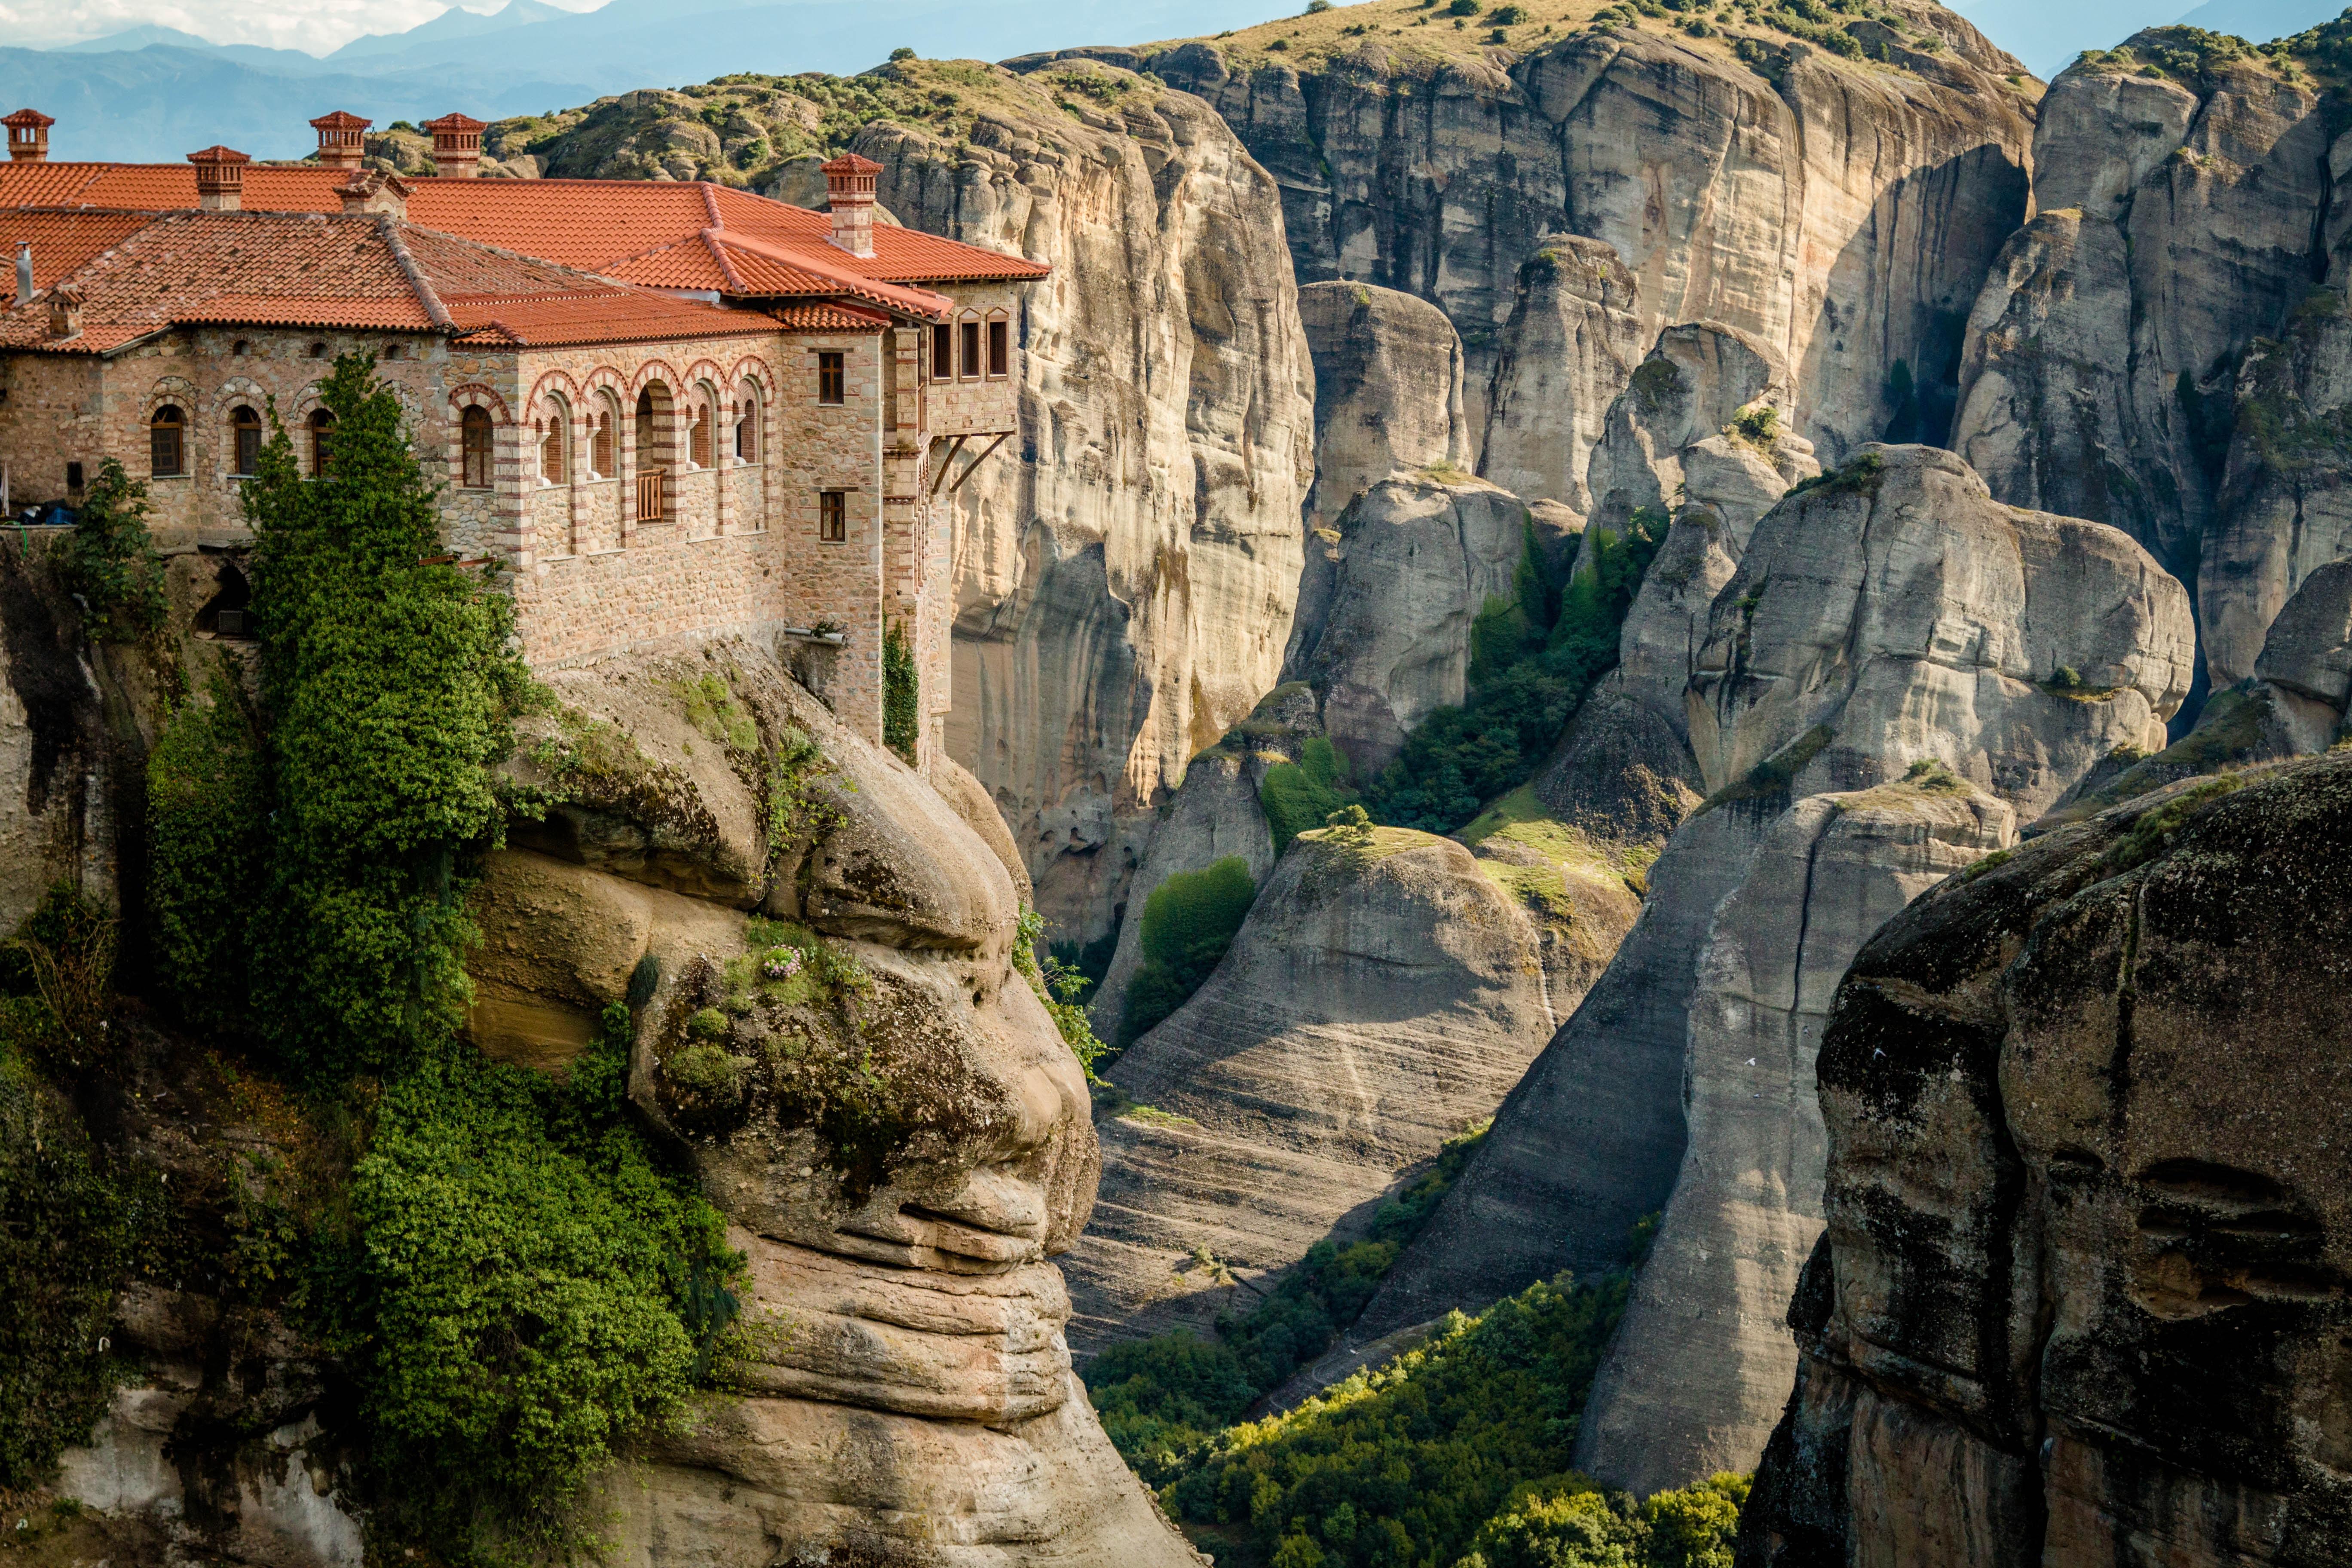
[
  {"x": 340, "y": 120},
  {"x": 850, "y": 163},
  {"x": 218, "y": 154},
  {"x": 455, "y": 122},
  {"x": 24, "y": 118}
]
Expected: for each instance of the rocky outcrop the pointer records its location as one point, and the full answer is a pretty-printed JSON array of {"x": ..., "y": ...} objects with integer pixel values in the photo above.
[
  {"x": 1124, "y": 580},
  {"x": 2083, "y": 1294},
  {"x": 1419, "y": 559},
  {"x": 2149, "y": 351},
  {"x": 1388, "y": 385},
  {"x": 1919, "y": 626},
  {"x": 1381, "y": 996},
  {"x": 1842, "y": 210},
  {"x": 1573, "y": 337}
]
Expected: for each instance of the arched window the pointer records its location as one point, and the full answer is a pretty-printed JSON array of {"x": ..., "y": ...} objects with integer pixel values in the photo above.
[
  {"x": 969, "y": 342},
  {"x": 698, "y": 440},
  {"x": 392, "y": 350},
  {"x": 554, "y": 465},
  {"x": 241, "y": 347},
  {"x": 600, "y": 447},
  {"x": 245, "y": 435},
  {"x": 318, "y": 350},
  {"x": 747, "y": 429},
  {"x": 646, "y": 442},
  {"x": 322, "y": 436},
  {"x": 1000, "y": 346},
  {"x": 474, "y": 448},
  {"x": 167, "y": 442}
]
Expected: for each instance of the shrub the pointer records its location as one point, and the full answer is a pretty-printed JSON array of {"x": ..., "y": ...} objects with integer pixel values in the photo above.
[
  {"x": 1507, "y": 15},
  {"x": 1189, "y": 922},
  {"x": 1061, "y": 989},
  {"x": 1462, "y": 8},
  {"x": 1302, "y": 795},
  {"x": 58, "y": 973},
  {"x": 1694, "y": 1528},
  {"x": 69, "y": 1229},
  {"x": 1526, "y": 685},
  {"x": 1574, "y": 1528},
  {"x": 1317, "y": 7},
  {"x": 112, "y": 561},
  {"x": 529, "y": 1291},
  {"x": 207, "y": 802},
  {"x": 903, "y": 52},
  {"x": 901, "y": 694}
]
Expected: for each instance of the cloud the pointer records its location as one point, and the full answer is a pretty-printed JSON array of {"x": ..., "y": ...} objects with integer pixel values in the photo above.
[{"x": 315, "y": 27}]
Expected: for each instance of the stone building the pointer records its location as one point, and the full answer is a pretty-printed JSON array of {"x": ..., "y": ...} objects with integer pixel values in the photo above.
[{"x": 674, "y": 410}]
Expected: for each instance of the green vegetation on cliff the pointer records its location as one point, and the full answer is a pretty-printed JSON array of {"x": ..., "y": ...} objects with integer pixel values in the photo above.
[
  {"x": 1532, "y": 663},
  {"x": 1189, "y": 922}
]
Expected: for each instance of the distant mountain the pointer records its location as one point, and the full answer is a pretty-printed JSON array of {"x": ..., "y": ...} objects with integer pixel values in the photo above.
[
  {"x": 163, "y": 100},
  {"x": 450, "y": 24},
  {"x": 2047, "y": 37}
]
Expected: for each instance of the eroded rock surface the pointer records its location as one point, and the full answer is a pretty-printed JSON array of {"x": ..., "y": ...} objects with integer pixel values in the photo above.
[
  {"x": 1124, "y": 571},
  {"x": 1920, "y": 627},
  {"x": 1843, "y": 211},
  {"x": 1380, "y": 998},
  {"x": 1574, "y": 336},
  {"x": 2083, "y": 1294}
]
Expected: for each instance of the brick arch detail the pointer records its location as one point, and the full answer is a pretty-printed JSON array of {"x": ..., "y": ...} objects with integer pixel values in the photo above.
[
  {"x": 556, "y": 383},
  {"x": 474, "y": 394},
  {"x": 178, "y": 392},
  {"x": 655, "y": 370}
]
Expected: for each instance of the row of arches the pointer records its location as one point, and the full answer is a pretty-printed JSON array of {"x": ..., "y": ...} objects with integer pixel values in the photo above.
[{"x": 566, "y": 435}]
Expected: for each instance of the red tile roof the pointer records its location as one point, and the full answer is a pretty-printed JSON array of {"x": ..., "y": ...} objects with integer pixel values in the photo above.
[
  {"x": 827, "y": 318},
  {"x": 653, "y": 232},
  {"x": 63, "y": 241},
  {"x": 360, "y": 272}
]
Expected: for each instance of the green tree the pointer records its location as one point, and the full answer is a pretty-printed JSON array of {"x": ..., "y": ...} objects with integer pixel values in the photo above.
[
  {"x": 901, "y": 693},
  {"x": 1570, "y": 1529},
  {"x": 1695, "y": 1528},
  {"x": 1189, "y": 922},
  {"x": 389, "y": 682},
  {"x": 206, "y": 801},
  {"x": 112, "y": 561},
  {"x": 1299, "y": 795}
]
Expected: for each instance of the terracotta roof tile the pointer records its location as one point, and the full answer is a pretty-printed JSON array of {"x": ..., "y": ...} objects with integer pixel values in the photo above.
[
  {"x": 827, "y": 318},
  {"x": 594, "y": 224},
  {"x": 360, "y": 272},
  {"x": 63, "y": 241}
]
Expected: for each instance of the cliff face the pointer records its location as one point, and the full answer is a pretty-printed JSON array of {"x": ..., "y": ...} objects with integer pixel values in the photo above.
[
  {"x": 1124, "y": 583},
  {"x": 2082, "y": 1297},
  {"x": 1870, "y": 707},
  {"x": 1841, "y": 210},
  {"x": 2162, "y": 347}
]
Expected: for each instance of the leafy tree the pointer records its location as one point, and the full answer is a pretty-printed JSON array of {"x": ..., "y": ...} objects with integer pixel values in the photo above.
[
  {"x": 112, "y": 561},
  {"x": 1695, "y": 1528},
  {"x": 1297, "y": 796},
  {"x": 1189, "y": 922},
  {"x": 389, "y": 681},
  {"x": 901, "y": 693},
  {"x": 1525, "y": 687},
  {"x": 1570, "y": 1529}
]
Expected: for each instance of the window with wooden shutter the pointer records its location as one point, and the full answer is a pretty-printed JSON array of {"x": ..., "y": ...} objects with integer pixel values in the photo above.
[
  {"x": 474, "y": 448},
  {"x": 600, "y": 447},
  {"x": 554, "y": 452},
  {"x": 970, "y": 346},
  {"x": 167, "y": 444},
  {"x": 1000, "y": 346},
  {"x": 942, "y": 353},
  {"x": 323, "y": 439},
  {"x": 833, "y": 516},
  {"x": 831, "y": 381},
  {"x": 245, "y": 426}
]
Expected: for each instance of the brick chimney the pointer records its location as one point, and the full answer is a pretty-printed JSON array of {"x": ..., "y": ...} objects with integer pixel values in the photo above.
[
  {"x": 373, "y": 191},
  {"x": 28, "y": 135},
  {"x": 456, "y": 146},
  {"x": 65, "y": 311},
  {"x": 342, "y": 138},
  {"x": 849, "y": 192},
  {"x": 220, "y": 178},
  {"x": 23, "y": 272}
]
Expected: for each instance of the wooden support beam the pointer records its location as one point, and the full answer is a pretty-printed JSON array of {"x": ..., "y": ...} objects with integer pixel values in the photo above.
[
  {"x": 974, "y": 467},
  {"x": 947, "y": 462}
]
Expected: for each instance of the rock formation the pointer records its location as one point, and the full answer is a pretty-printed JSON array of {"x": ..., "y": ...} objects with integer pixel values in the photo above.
[
  {"x": 1842, "y": 211},
  {"x": 1574, "y": 335},
  {"x": 2161, "y": 347},
  {"x": 2082, "y": 1296},
  {"x": 1891, "y": 617},
  {"x": 1125, "y": 579},
  {"x": 1389, "y": 388},
  {"x": 900, "y": 1143},
  {"x": 1381, "y": 997}
]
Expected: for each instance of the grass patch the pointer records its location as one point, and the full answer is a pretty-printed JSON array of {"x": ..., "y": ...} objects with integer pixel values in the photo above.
[{"x": 1187, "y": 922}]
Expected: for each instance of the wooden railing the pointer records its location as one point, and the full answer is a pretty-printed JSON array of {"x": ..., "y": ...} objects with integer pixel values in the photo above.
[{"x": 652, "y": 490}]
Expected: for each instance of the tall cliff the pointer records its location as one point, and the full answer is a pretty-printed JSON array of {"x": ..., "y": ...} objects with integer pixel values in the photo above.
[
  {"x": 1838, "y": 198},
  {"x": 1124, "y": 571},
  {"x": 2161, "y": 348},
  {"x": 1875, "y": 702},
  {"x": 2082, "y": 1295}
]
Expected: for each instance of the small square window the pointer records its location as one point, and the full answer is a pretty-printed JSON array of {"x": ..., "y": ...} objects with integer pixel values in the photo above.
[
  {"x": 832, "y": 385},
  {"x": 833, "y": 516},
  {"x": 73, "y": 475}
]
